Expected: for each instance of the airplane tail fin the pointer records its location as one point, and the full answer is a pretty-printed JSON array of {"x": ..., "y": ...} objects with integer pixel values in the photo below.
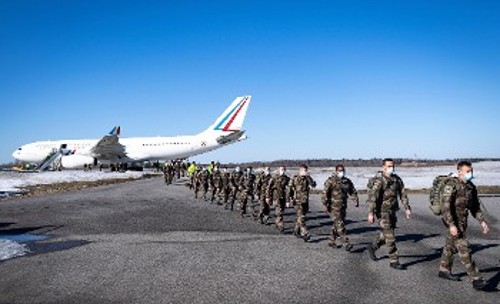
[
  {"x": 115, "y": 131},
  {"x": 231, "y": 120}
]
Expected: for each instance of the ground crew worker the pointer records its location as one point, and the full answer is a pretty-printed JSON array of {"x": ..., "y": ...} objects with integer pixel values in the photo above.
[
  {"x": 459, "y": 197},
  {"x": 236, "y": 177},
  {"x": 277, "y": 189},
  {"x": 261, "y": 186},
  {"x": 191, "y": 174},
  {"x": 336, "y": 190},
  {"x": 247, "y": 187},
  {"x": 383, "y": 192},
  {"x": 300, "y": 185}
]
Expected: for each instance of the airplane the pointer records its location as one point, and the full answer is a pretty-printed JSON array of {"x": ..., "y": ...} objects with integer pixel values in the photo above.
[{"x": 111, "y": 148}]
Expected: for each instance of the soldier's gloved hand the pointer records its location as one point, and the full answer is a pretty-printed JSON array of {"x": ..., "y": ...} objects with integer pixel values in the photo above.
[
  {"x": 408, "y": 213},
  {"x": 288, "y": 204},
  {"x": 268, "y": 200}
]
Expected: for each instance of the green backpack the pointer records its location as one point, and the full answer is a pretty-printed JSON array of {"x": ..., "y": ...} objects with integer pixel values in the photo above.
[
  {"x": 435, "y": 197},
  {"x": 371, "y": 182}
]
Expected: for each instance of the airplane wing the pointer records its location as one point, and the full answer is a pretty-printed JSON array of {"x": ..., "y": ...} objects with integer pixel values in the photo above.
[{"x": 109, "y": 146}]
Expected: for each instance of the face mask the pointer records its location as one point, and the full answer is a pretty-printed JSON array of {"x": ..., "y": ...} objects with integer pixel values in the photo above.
[
  {"x": 303, "y": 172},
  {"x": 237, "y": 169},
  {"x": 266, "y": 172},
  {"x": 390, "y": 171},
  {"x": 281, "y": 172},
  {"x": 468, "y": 176},
  {"x": 340, "y": 174}
]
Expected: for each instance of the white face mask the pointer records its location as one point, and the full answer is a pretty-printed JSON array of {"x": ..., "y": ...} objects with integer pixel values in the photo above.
[
  {"x": 237, "y": 169},
  {"x": 468, "y": 176},
  {"x": 340, "y": 174},
  {"x": 390, "y": 171},
  {"x": 303, "y": 172},
  {"x": 281, "y": 171}
]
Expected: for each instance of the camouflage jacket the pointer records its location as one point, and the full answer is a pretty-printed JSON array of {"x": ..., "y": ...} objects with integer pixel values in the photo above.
[
  {"x": 299, "y": 188},
  {"x": 278, "y": 187},
  {"x": 336, "y": 190},
  {"x": 261, "y": 184},
  {"x": 217, "y": 179},
  {"x": 247, "y": 183},
  {"x": 459, "y": 199},
  {"x": 203, "y": 177},
  {"x": 236, "y": 177},
  {"x": 226, "y": 180},
  {"x": 384, "y": 192}
]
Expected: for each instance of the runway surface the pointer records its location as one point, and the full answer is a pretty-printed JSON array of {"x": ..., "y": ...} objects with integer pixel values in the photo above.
[{"x": 145, "y": 242}]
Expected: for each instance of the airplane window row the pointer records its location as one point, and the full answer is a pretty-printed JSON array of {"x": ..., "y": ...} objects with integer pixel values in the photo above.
[{"x": 163, "y": 144}]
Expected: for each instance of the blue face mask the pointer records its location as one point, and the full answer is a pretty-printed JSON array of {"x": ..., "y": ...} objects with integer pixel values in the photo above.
[{"x": 468, "y": 176}]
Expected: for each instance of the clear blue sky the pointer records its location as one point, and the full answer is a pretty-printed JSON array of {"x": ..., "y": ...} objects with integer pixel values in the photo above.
[{"x": 329, "y": 79}]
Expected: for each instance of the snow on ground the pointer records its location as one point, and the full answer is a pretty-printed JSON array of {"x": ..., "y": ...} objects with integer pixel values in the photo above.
[
  {"x": 485, "y": 174},
  {"x": 12, "y": 181},
  {"x": 10, "y": 249}
]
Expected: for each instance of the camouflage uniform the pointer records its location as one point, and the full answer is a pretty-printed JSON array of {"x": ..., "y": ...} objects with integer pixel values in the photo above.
[
  {"x": 216, "y": 186},
  {"x": 235, "y": 181},
  {"x": 196, "y": 182},
  {"x": 386, "y": 190},
  {"x": 260, "y": 188},
  {"x": 247, "y": 187},
  {"x": 458, "y": 199},
  {"x": 226, "y": 189},
  {"x": 277, "y": 189},
  {"x": 168, "y": 173},
  {"x": 299, "y": 193},
  {"x": 203, "y": 181},
  {"x": 335, "y": 193}
]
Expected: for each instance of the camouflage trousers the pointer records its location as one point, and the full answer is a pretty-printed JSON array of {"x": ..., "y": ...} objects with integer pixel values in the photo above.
[
  {"x": 279, "y": 210},
  {"x": 301, "y": 210},
  {"x": 201, "y": 186},
  {"x": 458, "y": 244},
  {"x": 224, "y": 195},
  {"x": 338, "y": 230},
  {"x": 264, "y": 209},
  {"x": 168, "y": 178},
  {"x": 387, "y": 224},
  {"x": 246, "y": 200},
  {"x": 216, "y": 193}
]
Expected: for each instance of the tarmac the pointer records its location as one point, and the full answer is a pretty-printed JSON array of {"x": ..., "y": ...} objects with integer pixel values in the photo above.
[{"x": 145, "y": 242}]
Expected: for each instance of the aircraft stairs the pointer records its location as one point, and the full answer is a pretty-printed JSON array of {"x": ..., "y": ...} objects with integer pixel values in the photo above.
[{"x": 50, "y": 159}]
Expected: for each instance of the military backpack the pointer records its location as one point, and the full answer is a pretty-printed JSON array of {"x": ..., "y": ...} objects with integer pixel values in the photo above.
[{"x": 436, "y": 195}]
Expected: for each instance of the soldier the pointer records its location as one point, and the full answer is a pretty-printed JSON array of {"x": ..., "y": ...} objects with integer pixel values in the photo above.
[
  {"x": 383, "y": 192},
  {"x": 226, "y": 188},
  {"x": 247, "y": 187},
  {"x": 277, "y": 189},
  {"x": 335, "y": 192},
  {"x": 300, "y": 185},
  {"x": 459, "y": 197},
  {"x": 204, "y": 178},
  {"x": 261, "y": 186},
  {"x": 216, "y": 185},
  {"x": 168, "y": 172},
  {"x": 236, "y": 176},
  {"x": 196, "y": 181}
]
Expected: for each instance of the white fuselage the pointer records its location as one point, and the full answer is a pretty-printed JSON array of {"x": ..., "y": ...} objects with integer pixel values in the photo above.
[{"x": 137, "y": 148}]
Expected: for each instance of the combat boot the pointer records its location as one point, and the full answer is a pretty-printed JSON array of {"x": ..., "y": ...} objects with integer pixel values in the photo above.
[
  {"x": 371, "y": 252},
  {"x": 347, "y": 247},
  {"x": 479, "y": 284},
  {"x": 306, "y": 237},
  {"x": 396, "y": 265},
  {"x": 448, "y": 276}
]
